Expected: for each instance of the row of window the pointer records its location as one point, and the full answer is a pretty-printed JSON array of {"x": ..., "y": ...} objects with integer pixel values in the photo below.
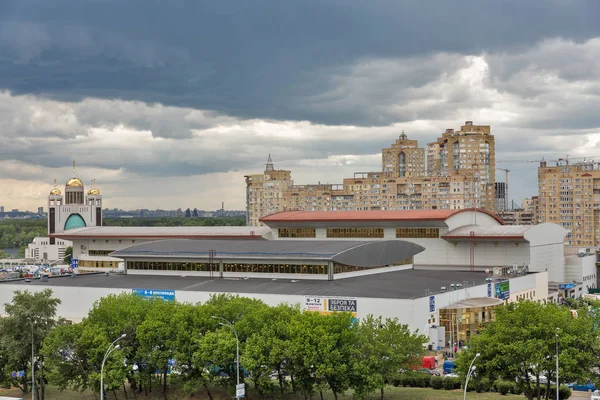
[
  {"x": 359, "y": 232},
  {"x": 417, "y": 232},
  {"x": 102, "y": 253},
  {"x": 244, "y": 268}
]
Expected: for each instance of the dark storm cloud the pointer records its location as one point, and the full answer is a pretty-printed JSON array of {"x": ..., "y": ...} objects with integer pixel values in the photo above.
[{"x": 255, "y": 59}]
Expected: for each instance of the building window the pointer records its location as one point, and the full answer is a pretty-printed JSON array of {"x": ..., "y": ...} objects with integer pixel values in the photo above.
[
  {"x": 297, "y": 232},
  {"x": 101, "y": 253},
  {"x": 355, "y": 232},
  {"x": 245, "y": 268},
  {"x": 429, "y": 233}
]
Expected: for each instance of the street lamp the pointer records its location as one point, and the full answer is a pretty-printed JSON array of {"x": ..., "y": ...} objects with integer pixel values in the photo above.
[
  {"x": 237, "y": 345},
  {"x": 469, "y": 373},
  {"x": 110, "y": 349},
  {"x": 556, "y": 336},
  {"x": 32, "y": 366}
]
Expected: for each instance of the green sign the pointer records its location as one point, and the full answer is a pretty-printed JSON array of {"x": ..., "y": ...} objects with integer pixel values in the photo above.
[{"x": 503, "y": 290}]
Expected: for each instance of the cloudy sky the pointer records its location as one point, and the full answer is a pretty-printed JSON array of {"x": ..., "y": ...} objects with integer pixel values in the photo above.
[{"x": 169, "y": 104}]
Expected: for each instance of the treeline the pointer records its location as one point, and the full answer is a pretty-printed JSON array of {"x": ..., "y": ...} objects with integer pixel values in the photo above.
[
  {"x": 20, "y": 232},
  {"x": 188, "y": 349}
]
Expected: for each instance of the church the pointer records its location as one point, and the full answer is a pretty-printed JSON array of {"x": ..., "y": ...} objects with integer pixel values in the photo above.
[{"x": 71, "y": 209}]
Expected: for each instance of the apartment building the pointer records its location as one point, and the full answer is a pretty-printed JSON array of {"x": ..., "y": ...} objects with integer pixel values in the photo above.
[
  {"x": 569, "y": 195},
  {"x": 454, "y": 172}
]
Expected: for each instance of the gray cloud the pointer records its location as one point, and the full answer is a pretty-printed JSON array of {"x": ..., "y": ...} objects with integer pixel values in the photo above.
[{"x": 264, "y": 59}]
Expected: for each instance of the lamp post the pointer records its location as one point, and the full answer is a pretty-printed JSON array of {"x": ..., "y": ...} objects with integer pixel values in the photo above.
[
  {"x": 32, "y": 366},
  {"x": 110, "y": 349},
  {"x": 237, "y": 345},
  {"x": 469, "y": 373},
  {"x": 556, "y": 337}
]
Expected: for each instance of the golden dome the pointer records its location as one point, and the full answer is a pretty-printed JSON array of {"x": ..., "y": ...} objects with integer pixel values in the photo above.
[
  {"x": 55, "y": 192},
  {"x": 94, "y": 192},
  {"x": 74, "y": 182}
]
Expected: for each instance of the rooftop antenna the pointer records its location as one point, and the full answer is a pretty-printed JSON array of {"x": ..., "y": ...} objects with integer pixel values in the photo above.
[
  {"x": 74, "y": 167},
  {"x": 269, "y": 164}
]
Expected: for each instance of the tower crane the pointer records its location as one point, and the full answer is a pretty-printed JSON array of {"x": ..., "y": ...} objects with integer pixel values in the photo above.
[
  {"x": 505, "y": 187},
  {"x": 557, "y": 161}
]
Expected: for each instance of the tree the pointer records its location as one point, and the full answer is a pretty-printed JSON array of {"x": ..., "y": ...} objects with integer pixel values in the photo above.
[
  {"x": 520, "y": 346},
  {"x": 386, "y": 346},
  {"x": 157, "y": 338},
  {"x": 188, "y": 213},
  {"x": 29, "y": 318},
  {"x": 267, "y": 350},
  {"x": 68, "y": 255},
  {"x": 4, "y": 255}
]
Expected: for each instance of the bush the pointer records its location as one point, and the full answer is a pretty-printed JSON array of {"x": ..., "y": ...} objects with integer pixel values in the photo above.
[
  {"x": 436, "y": 382},
  {"x": 517, "y": 388},
  {"x": 504, "y": 387},
  {"x": 397, "y": 380},
  {"x": 451, "y": 383},
  {"x": 482, "y": 385},
  {"x": 564, "y": 392}
]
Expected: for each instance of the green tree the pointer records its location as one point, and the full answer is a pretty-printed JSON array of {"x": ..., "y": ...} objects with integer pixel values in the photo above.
[
  {"x": 4, "y": 255},
  {"x": 29, "y": 318},
  {"x": 386, "y": 346},
  {"x": 115, "y": 315},
  {"x": 157, "y": 337},
  {"x": 193, "y": 322},
  {"x": 520, "y": 346},
  {"x": 68, "y": 255},
  {"x": 267, "y": 350}
]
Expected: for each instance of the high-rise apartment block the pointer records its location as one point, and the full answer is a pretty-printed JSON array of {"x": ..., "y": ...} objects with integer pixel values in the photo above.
[
  {"x": 569, "y": 195},
  {"x": 454, "y": 172}
]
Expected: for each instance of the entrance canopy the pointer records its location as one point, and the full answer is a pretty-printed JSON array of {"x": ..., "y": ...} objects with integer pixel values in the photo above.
[{"x": 474, "y": 303}]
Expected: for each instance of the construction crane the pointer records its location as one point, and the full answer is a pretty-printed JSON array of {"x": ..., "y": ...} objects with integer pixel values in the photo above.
[
  {"x": 505, "y": 188},
  {"x": 557, "y": 161}
]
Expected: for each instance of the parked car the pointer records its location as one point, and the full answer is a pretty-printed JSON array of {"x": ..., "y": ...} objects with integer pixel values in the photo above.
[
  {"x": 596, "y": 395},
  {"x": 586, "y": 387},
  {"x": 451, "y": 376}
]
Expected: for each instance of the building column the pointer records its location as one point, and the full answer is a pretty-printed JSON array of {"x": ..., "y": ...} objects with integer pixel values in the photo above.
[
  {"x": 124, "y": 267},
  {"x": 220, "y": 268},
  {"x": 330, "y": 271}
]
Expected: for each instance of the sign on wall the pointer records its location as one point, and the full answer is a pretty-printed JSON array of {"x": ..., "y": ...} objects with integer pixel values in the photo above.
[
  {"x": 503, "y": 290},
  {"x": 431, "y": 303},
  {"x": 565, "y": 286},
  {"x": 328, "y": 305},
  {"x": 168, "y": 295},
  {"x": 489, "y": 289}
]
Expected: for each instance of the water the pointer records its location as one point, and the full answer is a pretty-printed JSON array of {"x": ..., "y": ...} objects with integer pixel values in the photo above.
[{"x": 11, "y": 252}]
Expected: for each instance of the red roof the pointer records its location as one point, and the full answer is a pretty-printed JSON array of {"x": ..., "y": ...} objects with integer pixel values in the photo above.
[{"x": 374, "y": 215}]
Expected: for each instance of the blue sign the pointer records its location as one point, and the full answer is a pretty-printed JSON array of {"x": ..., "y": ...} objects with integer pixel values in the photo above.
[
  {"x": 153, "y": 293},
  {"x": 18, "y": 374},
  {"x": 439, "y": 348},
  {"x": 565, "y": 286},
  {"x": 489, "y": 290},
  {"x": 74, "y": 263},
  {"x": 431, "y": 303}
]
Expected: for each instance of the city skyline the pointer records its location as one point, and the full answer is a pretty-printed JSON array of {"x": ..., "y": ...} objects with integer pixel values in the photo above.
[{"x": 157, "y": 115}]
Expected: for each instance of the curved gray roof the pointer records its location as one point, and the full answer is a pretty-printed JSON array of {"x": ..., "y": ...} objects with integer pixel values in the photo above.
[{"x": 356, "y": 253}]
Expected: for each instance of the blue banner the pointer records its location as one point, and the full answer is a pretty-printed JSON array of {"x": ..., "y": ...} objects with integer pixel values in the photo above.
[
  {"x": 431, "y": 303},
  {"x": 153, "y": 293}
]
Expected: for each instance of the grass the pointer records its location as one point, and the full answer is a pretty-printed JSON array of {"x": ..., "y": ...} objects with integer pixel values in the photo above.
[{"x": 391, "y": 393}]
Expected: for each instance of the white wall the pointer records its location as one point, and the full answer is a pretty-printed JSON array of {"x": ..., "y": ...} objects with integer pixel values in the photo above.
[
  {"x": 77, "y": 301},
  {"x": 41, "y": 246},
  {"x": 547, "y": 250},
  {"x": 581, "y": 269}
]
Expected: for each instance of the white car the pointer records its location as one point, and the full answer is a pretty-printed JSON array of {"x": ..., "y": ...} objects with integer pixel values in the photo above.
[{"x": 596, "y": 395}]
